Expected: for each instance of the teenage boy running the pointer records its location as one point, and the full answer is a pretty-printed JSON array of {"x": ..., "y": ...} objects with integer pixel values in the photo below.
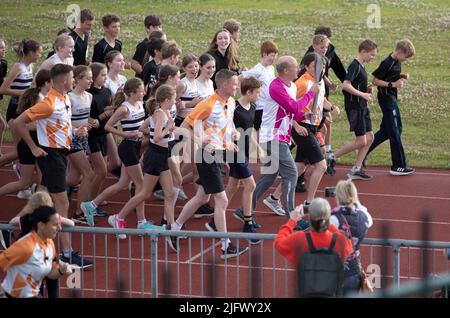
[{"x": 356, "y": 96}]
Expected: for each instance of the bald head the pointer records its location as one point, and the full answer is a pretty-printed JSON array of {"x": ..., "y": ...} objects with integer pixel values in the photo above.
[{"x": 287, "y": 67}]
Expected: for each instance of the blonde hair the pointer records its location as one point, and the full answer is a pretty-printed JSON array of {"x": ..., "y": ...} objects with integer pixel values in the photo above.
[
  {"x": 346, "y": 193},
  {"x": 320, "y": 39},
  {"x": 38, "y": 199},
  {"x": 405, "y": 46},
  {"x": 61, "y": 41}
]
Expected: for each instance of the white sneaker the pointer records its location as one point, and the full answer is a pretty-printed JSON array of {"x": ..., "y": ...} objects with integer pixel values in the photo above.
[
  {"x": 24, "y": 194},
  {"x": 114, "y": 221},
  {"x": 274, "y": 205},
  {"x": 182, "y": 196}
]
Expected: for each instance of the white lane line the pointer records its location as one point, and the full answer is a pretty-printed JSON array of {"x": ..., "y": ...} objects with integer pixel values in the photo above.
[{"x": 202, "y": 252}]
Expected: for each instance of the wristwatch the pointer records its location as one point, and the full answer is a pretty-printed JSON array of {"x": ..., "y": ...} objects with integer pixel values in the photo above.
[{"x": 390, "y": 84}]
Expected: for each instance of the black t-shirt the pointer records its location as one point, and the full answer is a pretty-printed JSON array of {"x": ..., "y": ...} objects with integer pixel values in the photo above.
[
  {"x": 388, "y": 71},
  {"x": 150, "y": 76},
  {"x": 81, "y": 46},
  {"x": 102, "y": 47},
  {"x": 141, "y": 49},
  {"x": 357, "y": 76},
  {"x": 100, "y": 99},
  {"x": 3, "y": 72},
  {"x": 221, "y": 63},
  {"x": 244, "y": 119}
]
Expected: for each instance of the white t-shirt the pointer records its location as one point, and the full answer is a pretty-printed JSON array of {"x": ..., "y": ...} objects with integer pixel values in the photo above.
[
  {"x": 265, "y": 75},
  {"x": 113, "y": 86},
  {"x": 204, "y": 91}
]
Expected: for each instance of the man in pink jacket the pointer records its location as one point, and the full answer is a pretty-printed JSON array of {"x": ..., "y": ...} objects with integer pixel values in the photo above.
[{"x": 275, "y": 133}]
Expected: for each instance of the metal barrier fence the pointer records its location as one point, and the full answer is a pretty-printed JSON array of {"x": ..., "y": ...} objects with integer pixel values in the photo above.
[{"x": 143, "y": 265}]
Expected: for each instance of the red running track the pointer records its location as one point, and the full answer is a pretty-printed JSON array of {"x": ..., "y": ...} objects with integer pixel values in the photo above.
[{"x": 397, "y": 202}]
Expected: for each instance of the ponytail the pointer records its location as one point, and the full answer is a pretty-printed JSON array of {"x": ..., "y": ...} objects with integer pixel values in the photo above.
[
  {"x": 320, "y": 225},
  {"x": 31, "y": 95},
  {"x": 119, "y": 98},
  {"x": 162, "y": 93},
  {"x": 24, "y": 47},
  {"x": 151, "y": 105}
]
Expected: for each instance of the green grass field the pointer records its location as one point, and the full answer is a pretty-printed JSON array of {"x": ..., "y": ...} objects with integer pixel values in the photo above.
[{"x": 424, "y": 102}]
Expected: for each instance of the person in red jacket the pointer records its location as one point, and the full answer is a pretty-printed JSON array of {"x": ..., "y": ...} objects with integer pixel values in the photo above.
[{"x": 291, "y": 244}]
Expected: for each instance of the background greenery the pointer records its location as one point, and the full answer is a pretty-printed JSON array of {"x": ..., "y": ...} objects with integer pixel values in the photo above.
[{"x": 424, "y": 102}]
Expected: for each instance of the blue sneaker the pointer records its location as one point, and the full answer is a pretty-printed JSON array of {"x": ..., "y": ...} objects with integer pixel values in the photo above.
[
  {"x": 89, "y": 211},
  {"x": 302, "y": 225},
  {"x": 77, "y": 260},
  {"x": 100, "y": 212},
  {"x": 149, "y": 226},
  {"x": 239, "y": 215}
]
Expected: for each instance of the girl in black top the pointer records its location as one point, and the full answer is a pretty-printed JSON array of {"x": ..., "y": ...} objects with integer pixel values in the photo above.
[
  {"x": 224, "y": 51},
  {"x": 101, "y": 110}
]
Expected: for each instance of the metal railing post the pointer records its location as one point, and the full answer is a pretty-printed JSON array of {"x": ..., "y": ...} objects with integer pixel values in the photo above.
[
  {"x": 396, "y": 264},
  {"x": 154, "y": 258}
]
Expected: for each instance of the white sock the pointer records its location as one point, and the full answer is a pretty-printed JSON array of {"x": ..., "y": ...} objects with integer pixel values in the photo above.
[
  {"x": 225, "y": 243},
  {"x": 142, "y": 222},
  {"x": 356, "y": 168},
  {"x": 332, "y": 155},
  {"x": 328, "y": 148},
  {"x": 176, "y": 226},
  {"x": 93, "y": 204}
]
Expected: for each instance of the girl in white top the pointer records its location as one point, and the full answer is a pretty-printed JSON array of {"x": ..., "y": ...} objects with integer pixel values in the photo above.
[
  {"x": 205, "y": 87},
  {"x": 160, "y": 126},
  {"x": 187, "y": 90},
  {"x": 27, "y": 161},
  {"x": 130, "y": 112},
  {"x": 170, "y": 75},
  {"x": 64, "y": 47},
  {"x": 115, "y": 63},
  {"x": 16, "y": 82},
  {"x": 80, "y": 169},
  {"x": 204, "y": 83}
]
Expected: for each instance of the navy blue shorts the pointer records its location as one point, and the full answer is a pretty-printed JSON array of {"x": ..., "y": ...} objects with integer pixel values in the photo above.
[{"x": 240, "y": 170}]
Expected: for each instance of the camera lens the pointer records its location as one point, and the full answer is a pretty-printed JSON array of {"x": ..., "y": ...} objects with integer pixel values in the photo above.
[{"x": 330, "y": 192}]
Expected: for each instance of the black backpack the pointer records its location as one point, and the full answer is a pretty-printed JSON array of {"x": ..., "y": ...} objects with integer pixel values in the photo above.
[{"x": 320, "y": 271}]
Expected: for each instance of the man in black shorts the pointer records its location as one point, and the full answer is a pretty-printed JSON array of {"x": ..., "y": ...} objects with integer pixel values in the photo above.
[
  {"x": 210, "y": 121},
  {"x": 52, "y": 116}
]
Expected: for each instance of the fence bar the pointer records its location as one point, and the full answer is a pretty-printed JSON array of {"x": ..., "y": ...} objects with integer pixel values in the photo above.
[
  {"x": 154, "y": 265},
  {"x": 94, "y": 258},
  {"x": 395, "y": 245},
  {"x": 130, "y": 265},
  {"x": 396, "y": 265}
]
